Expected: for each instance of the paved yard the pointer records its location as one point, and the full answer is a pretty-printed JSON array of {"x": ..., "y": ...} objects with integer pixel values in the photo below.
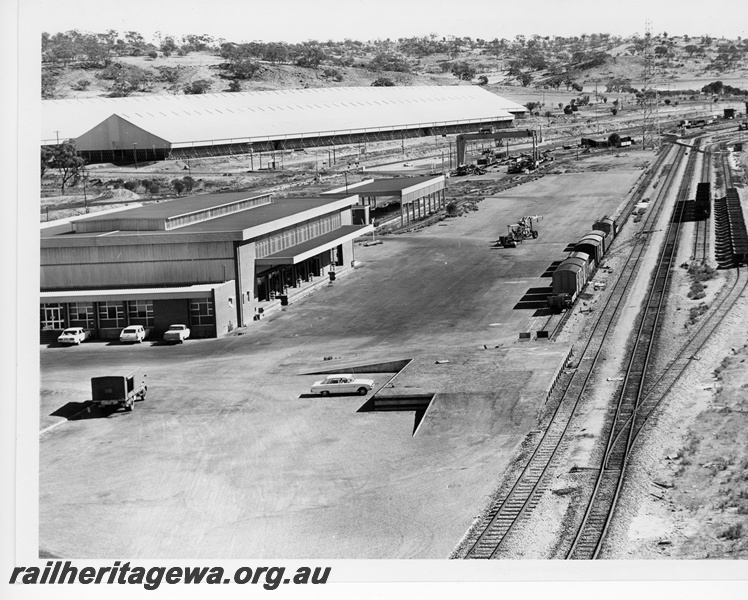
[{"x": 230, "y": 456}]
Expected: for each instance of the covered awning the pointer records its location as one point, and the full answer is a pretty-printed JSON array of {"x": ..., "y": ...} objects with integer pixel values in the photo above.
[
  {"x": 204, "y": 290},
  {"x": 300, "y": 252}
]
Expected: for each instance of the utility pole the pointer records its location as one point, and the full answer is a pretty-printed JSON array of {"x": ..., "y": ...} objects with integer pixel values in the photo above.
[
  {"x": 85, "y": 196},
  {"x": 650, "y": 123}
]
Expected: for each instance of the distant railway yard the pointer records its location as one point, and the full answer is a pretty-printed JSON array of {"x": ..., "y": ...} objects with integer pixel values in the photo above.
[{"x": 533, "y": 397}]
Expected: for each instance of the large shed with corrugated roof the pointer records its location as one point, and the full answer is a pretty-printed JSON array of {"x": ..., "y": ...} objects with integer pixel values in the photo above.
[{"x": 155, "y": 127}]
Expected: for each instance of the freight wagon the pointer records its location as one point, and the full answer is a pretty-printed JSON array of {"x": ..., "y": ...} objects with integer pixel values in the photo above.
[
  {"x": 592, "y": 244},
  {"x": 569, "y": 279},
  {"x": 580, "y": 265}
]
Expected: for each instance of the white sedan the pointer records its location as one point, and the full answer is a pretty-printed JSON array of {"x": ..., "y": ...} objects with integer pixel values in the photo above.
[
  {"x": 177, "y": 333},
  {"x": 342, "y": 384},
  {"x": 73, "y": 335},
  {"x": 133, "y": 333}
]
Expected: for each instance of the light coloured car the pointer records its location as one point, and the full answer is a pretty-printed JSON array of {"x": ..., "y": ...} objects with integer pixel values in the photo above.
[
  {"x": 132, "y": 334},
  {"x": 73, "y": 335},
  {"x": 407, "y": 164},
  {"x": 177, "y": 333},
  {"x": 342, "y": 384}
]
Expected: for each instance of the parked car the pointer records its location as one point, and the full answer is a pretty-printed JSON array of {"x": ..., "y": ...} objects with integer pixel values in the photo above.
[
  {"x": 177, "y": 333},
  {"x": 73, "y": 335},
  {"x": 342, "y": 384},
  {"x": 134, "y": 333},
  {"x": 407, "y": 164}
]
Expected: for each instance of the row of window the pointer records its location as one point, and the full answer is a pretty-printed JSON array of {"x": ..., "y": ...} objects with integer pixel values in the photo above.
[
  {"x": 112, "y": 314},
  {"x": 297, "y": 234},
  {"x": 217, "y": 211}
]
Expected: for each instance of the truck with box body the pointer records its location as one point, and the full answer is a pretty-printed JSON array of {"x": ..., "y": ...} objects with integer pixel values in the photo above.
[{"x": 120, "y": 389}]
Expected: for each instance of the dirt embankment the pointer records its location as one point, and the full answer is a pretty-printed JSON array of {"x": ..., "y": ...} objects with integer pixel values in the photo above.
[{"x": 687, "y": 496}]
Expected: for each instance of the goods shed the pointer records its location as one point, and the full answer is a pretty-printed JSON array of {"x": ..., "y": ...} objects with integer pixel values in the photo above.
[
  {"x": 411, "y": 198},
  {"x": 156, "y": 127},
  {"x": 214, "y": 261}
]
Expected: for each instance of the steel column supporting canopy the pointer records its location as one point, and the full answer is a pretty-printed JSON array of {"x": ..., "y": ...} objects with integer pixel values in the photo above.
[{"x": 462, "y": 138}]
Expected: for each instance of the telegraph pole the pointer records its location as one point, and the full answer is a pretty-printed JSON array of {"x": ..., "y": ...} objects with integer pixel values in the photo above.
[{"x": 650, "y": 116}]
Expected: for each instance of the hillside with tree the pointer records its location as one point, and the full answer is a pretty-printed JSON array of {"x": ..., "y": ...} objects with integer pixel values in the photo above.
[{"x": 79, "y": 64}]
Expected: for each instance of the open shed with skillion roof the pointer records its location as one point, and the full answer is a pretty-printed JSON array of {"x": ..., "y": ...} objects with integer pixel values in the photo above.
[{"x": 417, "y": 197}]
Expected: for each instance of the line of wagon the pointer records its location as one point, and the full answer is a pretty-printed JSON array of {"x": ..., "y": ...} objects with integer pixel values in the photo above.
[{"x": 580, "y": 265}]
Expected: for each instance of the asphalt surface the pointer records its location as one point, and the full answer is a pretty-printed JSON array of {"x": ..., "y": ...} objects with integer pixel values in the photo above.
[{"x": 231, "y": 457}]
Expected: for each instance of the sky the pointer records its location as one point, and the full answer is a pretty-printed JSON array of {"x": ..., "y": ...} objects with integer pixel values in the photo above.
[{"x": 300, "y": 20}]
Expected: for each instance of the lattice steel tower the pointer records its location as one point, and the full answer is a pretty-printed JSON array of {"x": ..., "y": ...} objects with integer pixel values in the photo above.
[{"x": 650, "y": 115}]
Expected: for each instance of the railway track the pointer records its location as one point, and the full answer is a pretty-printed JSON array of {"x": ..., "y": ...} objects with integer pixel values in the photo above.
[
  {"x": 644, "y": 391},
  {"x": 487, "y": 537},
  {"x": 657, "y": 388},
  {"x": 621, "y": 427},
  {"x": 700, "y": 252}
]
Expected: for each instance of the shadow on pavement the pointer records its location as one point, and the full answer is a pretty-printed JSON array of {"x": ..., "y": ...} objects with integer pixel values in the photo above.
[
  {"x": 331, "y": 395},
  {"x": 78, "y": 411}
]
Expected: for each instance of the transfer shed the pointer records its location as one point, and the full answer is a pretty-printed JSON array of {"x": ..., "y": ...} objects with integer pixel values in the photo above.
[{"x": 212, "y": 261}]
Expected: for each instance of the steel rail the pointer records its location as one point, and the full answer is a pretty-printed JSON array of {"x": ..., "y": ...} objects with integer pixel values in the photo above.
[
  {"x": 700, "y": 250},
  {"x": 610, "y": 481},
  {"x": 658, "y": 389},
  {"x": 590, "y": 533},
  {"x": 503, "y": 515}
]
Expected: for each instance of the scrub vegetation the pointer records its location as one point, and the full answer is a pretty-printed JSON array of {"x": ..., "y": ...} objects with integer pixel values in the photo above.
[{"x": 84, "y": 64}]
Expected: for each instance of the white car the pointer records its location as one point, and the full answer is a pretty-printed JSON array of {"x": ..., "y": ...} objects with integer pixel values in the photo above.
[
  {"x": 73, "y": 335},
  {"x": 342, "y": 384},
  {"x": 407, "y": 164},
  {"x": 133, "y": 333},
  {"x": 177, "y": 334}
]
